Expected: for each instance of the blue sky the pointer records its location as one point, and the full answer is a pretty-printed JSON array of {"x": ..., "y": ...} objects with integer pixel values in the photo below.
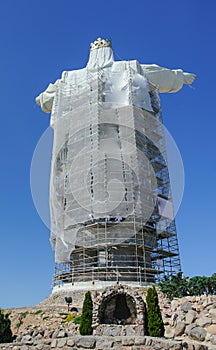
[{"x": 40, "y": 39}]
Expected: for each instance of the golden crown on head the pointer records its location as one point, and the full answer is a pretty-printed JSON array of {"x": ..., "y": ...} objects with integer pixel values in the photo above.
[{"x": 97, "y": 44}]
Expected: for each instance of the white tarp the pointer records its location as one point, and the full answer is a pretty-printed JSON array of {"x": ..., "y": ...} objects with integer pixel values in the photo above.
[{"x": 99, "y": 115}]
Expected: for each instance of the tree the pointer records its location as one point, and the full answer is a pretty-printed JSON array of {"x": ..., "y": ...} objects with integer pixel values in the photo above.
[
  {"x": 155, "y": 326},
  {"x": 86, "y": 317},
  {"x": 198, "y": 285},
  {"x": 5, "y": 330},
  {"x": 212, "y": 284},
  {"x": 175, "y": 287},
  {"x": 178, "y": 286}
]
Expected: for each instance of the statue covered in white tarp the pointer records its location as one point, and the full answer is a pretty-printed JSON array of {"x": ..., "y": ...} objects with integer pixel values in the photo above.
[
  {"x": 166, "y": 80},
  {"x": 98, "y": 170}
]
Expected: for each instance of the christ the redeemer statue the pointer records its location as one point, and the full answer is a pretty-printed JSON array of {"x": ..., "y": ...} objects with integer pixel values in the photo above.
[{"x": 104, "y": 122}]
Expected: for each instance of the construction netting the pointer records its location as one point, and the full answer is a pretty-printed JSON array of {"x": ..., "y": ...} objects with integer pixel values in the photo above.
[{"x": 109, "y": 159}]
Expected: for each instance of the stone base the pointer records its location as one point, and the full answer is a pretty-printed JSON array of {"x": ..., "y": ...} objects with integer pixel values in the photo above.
[{"x": 119, "y": 330}]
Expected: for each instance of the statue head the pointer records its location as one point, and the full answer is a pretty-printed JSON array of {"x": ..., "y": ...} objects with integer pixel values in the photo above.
[
  {"x": 101, "y": 54},
  {"x": 99, "y": 43}
]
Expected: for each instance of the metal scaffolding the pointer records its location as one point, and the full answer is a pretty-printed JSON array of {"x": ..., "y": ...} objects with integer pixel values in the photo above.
[{"x": 137, "y": 241}]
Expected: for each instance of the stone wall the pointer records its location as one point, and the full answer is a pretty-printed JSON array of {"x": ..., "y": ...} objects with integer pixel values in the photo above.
[
  {"x": 104, "y": 343},
  {"x": 186, "y": 319},
  {"x": 193, "y": 317}
]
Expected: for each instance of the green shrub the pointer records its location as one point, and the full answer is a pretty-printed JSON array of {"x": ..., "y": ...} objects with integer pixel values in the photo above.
[
  {"x": 155, "y": 326},
  {"x": 23, "y": 315},
  {"x": 86, "y": 317},
  {"x": 18, "y": 324},
  {"x": 5, "y": 330},
  {"x": 45, "y": 318},
  {"x": 20, "y": 318},
  {"x": 70, "y": 317},
  {"x": 38, "y": 312},
  {"x": 77, "y": 320}
]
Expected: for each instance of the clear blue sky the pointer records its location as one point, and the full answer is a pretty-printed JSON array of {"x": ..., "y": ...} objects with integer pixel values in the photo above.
[{"x": 40, "y": 39}]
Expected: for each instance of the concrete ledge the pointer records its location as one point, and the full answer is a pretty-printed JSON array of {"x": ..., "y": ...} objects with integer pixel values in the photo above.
[{"x": 95, "y": 285}]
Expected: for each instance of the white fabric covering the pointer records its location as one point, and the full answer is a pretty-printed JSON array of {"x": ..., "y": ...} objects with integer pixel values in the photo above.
[
  {"x": 98, "y": 114},
  {"x": 166, "y": 80}
]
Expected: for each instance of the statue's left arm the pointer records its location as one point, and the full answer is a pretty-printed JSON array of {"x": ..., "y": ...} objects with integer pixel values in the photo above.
[{"x": 167, "y": 80}]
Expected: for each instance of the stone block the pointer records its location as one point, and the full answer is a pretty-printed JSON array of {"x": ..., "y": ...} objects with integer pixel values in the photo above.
[
  {"x": 212, "y": 329},
  {"x": 35, "y": 333},
  {"x": 61, "y": 342},
  {"x": 173, "y": 320},
  {"x": 53, "y": 343},
  {"x": 200, "y": 347},
  {"x": 179, "y": 329},
  {"x": 112, "y": 331},
  {"x": 48, "y": 334},
  {"x": 212, "y": 339},
  {"x": 190, "y": 346},
  {"x": 104, "y": 343},
  {"x": 186, "y": 306},
  {"x": 70, "y": 342},
  {"x": 130, "y": 331},
  {"x": 175, "y": 346},
  {"x": 87, "y": 342},
  {"x": 128, "y": 341},
  {"x": 61, "y": 334},
  {"x": 26, "y": 338},
  {"x": 212, "y": 314},
  {"x": 55, "y": 333},
  {"x": 139, "y": 340},
  {"x": 190, "y": 316},
  {"x": 189, "y": 328},
  {"x": 169, "y": 332},
  {"x": 198, "y": 333},
  {"x": 24, "y": 347},
  {"x": 148, "y": 341},
  {"x": 204, "y": 321}
]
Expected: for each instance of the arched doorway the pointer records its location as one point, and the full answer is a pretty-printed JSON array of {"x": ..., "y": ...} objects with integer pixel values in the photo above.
[{"x": 119, "y": 308}]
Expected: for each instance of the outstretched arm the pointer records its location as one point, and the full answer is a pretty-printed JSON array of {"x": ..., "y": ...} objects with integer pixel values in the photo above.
[
  {"x": 45, "y": 99},
  {"x": 167, "y": 80},
  {"x": 189, "y": 78}
]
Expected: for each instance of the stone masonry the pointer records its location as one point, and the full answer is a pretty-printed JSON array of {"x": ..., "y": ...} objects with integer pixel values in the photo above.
[{"x": 189, "y": 319}]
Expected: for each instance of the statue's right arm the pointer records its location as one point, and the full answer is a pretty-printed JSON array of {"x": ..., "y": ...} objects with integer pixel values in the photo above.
[{"x": 45, "y": 99}]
